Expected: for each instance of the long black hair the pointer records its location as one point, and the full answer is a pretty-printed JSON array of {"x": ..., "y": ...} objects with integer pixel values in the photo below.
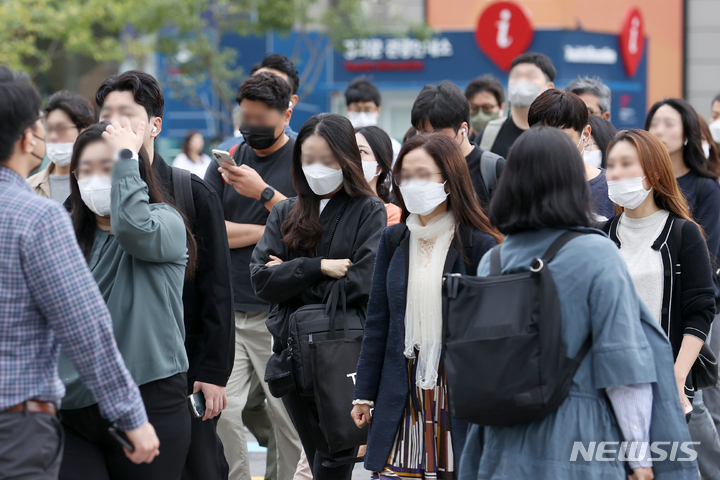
[
  {"x": 693, "y": 154},
  {"x": 543, "y": 184},
  {"x": 381, "y": 146},
  {"x": 301, "y": 229},
  {"x": 83, "y": 218}
]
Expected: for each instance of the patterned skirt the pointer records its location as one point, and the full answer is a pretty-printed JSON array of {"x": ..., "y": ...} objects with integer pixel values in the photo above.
[{"x": 423, "y": 443}]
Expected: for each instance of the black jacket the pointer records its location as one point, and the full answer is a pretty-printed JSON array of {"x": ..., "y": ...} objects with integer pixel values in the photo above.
[
  {"x": 207, "y": 297},
  {"x": 299, "y": 281},
  {"x": 688, "y": 306}
]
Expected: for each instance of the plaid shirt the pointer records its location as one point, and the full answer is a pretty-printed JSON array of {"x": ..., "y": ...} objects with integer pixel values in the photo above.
[{"x": 47, "y": 297}]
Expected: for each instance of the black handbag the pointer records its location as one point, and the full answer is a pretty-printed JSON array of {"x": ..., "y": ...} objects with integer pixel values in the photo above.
[
  {"x": 334, "y": 366},
  {"x": 313, "y": 323},
  {"x": 705, "y": 369}
]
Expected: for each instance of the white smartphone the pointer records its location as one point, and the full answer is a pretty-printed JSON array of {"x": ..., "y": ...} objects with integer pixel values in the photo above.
[{"x": 222, "y": 156}]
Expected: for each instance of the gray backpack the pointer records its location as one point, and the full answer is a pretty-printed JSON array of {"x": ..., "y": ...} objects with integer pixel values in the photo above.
[{"x": 490, "y": 133}]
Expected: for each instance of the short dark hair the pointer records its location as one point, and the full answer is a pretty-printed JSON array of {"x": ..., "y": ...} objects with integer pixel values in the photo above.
[
  {"x": 602, "y": 132},
  {"x": 360, "y": 90},
  {"x": 540, "y": 60},
  {"x": 19, "y": 109},
  {"x": 145, "y": 89},
  {"x": 486, "y": 83},
  {"x": 716, "y": 99},
  {"x": 77, "y": 107},
  {"x": 558, "y": 109},
  {"x": 281, "y": 63},
  {"x": 543, "y": 184},
  {"x": 268, "y": 88},
  {"x": 693, "y": 154},
  {"x": 443, "y": 106}
]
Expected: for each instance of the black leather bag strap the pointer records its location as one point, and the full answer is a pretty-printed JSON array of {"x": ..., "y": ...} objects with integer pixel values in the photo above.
[{"x": 182, "y": 188}]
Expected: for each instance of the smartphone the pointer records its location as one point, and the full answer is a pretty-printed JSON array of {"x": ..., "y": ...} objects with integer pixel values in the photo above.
[
  {"x": 197, "y": 404},
  {"x": 223, "y": 156},
  {"x": 120, "y": 437}
]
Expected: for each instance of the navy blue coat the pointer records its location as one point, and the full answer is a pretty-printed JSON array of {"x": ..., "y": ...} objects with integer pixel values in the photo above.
[{"x": 382, "y": 374}]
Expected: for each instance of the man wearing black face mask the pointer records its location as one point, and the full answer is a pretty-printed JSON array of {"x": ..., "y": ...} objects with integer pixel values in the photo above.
[{"x": 248, "y": 192}]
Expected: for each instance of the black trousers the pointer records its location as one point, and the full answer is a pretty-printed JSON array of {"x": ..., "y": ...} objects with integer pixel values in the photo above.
[
  {"x": 303, "y": 412},
  {"x": 206, "y": 457},
  {"x": 92, "y": 454},
  {"x": 30, "y": 446}
]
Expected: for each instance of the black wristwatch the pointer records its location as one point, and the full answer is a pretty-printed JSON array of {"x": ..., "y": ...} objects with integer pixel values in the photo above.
[
  {"x": 125, "y": 154},
  {"x": 267, "y": 194}
]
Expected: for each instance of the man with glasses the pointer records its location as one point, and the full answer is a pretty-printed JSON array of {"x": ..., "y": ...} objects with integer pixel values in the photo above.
[
  {"x": 49, "y": 297},
  {"x": 66, "y": 115},
  {"x": 594, "y": 93},
  {"x": 487, "y": 102},
  {"x": 445, "y": 109}
]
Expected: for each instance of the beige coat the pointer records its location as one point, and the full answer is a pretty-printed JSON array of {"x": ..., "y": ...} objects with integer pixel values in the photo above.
[{"x": 40, "y": 182}]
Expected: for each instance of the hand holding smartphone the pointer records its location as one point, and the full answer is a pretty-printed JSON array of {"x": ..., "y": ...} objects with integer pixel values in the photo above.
[
  {"x": 120, "y": 437},
  {"x": 197, "y": 404},
  {"x": 222, "y": 156}
]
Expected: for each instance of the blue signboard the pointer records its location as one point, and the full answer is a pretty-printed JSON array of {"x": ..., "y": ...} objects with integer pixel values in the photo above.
[{"x": 409, "y": 64}]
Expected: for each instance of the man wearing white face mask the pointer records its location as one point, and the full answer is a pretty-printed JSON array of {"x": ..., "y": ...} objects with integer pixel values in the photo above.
[
  {"x": 567, "y": 112},
  {"x": 362, "y": 104},
  {"x": 530, "y": 74},
  {"x": 66, "y": 115}
]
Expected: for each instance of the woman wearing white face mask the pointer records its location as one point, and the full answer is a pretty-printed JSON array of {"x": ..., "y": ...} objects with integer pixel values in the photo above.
[
  {"x": 663, "y": 247},
  {"x": 137, "y": 247},
  {"x": 66, "y": 115},
  {"x": 376, "y": 153},
  {"x": 400, "y": 372},
  {"x": 324, "y": 239}
]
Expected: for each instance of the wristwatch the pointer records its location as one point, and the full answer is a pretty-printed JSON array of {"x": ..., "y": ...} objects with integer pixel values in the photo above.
[
  {"x": 125, "y": 154},
  {"x": 267, "y": 194}
]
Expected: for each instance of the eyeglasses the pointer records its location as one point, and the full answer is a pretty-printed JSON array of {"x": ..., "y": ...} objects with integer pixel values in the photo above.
[
  {"x": 592, "y": 111},
  {"x": 88, "y": 168},
  {"x": 486, "y": 108},
  {"x": 59, "y": 128},
  {"x": 422, "y": 178}
]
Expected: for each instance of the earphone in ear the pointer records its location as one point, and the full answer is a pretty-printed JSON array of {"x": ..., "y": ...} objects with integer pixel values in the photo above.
[
  {"x": 32, "y": 143},
  {"x": 154, "y": 129}
]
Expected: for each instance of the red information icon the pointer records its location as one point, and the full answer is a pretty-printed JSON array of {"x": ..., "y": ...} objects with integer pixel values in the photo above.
[
  {"x": 504, "y": 31},
  {"x": 632, "y": 40}
]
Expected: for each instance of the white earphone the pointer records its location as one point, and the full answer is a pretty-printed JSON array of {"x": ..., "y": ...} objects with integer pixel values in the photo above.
[
  {"x": 154, "y": 129},
  {"x": 32, "y": 143}
]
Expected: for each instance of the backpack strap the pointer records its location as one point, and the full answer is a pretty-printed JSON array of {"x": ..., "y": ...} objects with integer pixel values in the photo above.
[
  {"x": 236, "y": 152},
  {"x": 490, "y": 133},
  {"x": 182, "y": 190},
  {"x": 495, "y": 264},
  {"x": 699, "y": 186},
  {"x": 488, "y": 170},
  {"x": 558, "y": 244}
]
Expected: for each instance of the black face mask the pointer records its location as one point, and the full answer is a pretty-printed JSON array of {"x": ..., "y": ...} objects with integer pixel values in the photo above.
[{"x": 259, "y": 138}]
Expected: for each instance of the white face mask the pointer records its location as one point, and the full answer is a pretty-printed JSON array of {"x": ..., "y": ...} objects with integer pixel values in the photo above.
[
  {"x": 628, "y": 192},
  {"x": 593, "y": 158},
  {"x": 522, "y": 93},
  {"x": 362, "y": 119},
  {"x": 322, "y": 179},
  {"x": 715, "y": 130},
  {"x": 60, "y": 153},
  {"x": 95, "y": 192},
  {"x": 369, "y": 170},
  {"x": 422, "y": 198},
  {"x": 706, "y": 149}
]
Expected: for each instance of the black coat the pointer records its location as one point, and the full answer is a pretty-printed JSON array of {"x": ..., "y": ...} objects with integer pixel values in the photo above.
[
  {"x": 207, "y": 297},
  {"x": 298, "y": 281},
  {"x": 688, "y": 306}
]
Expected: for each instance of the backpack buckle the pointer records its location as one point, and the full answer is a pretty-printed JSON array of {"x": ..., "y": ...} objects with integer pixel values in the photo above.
[{"x": 537, "y": 265}]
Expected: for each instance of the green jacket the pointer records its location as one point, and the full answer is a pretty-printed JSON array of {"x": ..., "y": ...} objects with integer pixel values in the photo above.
[{"x": 140, "y": 270}]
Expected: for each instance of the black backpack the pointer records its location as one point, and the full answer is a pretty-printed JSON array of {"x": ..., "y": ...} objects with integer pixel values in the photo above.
[
  {"x": 502, "y": 348},
  {"x": 182, "y": 191}
]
